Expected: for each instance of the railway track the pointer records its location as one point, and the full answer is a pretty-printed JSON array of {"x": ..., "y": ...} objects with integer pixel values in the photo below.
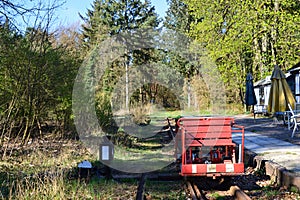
[
  {"x": 196, "y": 193},
  {"x": 238, "y": 194}
]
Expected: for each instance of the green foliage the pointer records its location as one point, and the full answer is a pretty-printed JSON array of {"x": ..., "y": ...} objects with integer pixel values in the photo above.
[
  {"x": 104, "y": 111},
  {"x": 217, "y": 196},
  {"x": 294, "y": 189},
  {"x": 270, "y": 192},
  {"x": 111, "y": 17},
  {"x": 106, "y": 19},
  {"x": 242, "y": 37},
  {"x": 178, "y": 18},
  {"x": 37, "y": 80},
  {"x": 38, "y": 68}
]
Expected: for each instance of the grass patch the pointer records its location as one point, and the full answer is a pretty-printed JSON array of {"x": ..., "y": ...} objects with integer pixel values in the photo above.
[
  {"x": 165, "y": 190},
  {"x": 42, "y": 171},
  {"x": 217, "y": 196},
  {"x": 291, "y": 153},
  {"x": 59, "y": 188},
  {"x": 294, "y": 189},
  {"x": 270, "y": 192}
]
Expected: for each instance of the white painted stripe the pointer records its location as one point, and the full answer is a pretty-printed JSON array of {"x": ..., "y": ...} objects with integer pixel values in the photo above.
[
  {"x": 194, "y": 169},
  {"x": 297, "y": 87},
  {"x": 211, "y": 168},
  {"x": 229, "y": 168}
]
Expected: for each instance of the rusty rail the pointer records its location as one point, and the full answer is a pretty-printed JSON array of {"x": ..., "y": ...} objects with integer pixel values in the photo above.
[
  {"x": 238, "y": 193},
  {"x": 196, "y": 194},
  {"x": 194, "y": 191}
]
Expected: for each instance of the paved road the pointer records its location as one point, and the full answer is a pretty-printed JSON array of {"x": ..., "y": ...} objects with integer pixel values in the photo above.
[
  {"x": 268, "y": 127},
  {"x": 271, "y": 140}
]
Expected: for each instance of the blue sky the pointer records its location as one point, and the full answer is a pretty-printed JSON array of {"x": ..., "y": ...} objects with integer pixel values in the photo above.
[{"x": 68, "y": 14}]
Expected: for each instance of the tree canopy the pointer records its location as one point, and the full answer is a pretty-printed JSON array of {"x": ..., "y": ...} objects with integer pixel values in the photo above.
[
  {"x": 38, "y": 66},
  {"x": 246, "y": 36}
]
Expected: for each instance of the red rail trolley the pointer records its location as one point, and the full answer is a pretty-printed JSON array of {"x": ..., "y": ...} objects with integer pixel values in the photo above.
[{"x": 204, "y": 147}]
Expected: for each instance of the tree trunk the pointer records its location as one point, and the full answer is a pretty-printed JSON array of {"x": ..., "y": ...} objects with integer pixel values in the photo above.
[
  {"x": 126, "y": 86},
  {"x": 257, "y": 64},
  {"x": 189, "y": 93},
  {"x": 274, "y": 34}
]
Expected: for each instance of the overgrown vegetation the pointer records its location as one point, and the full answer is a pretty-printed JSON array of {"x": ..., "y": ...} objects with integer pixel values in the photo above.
[{"x": 39, "y": 66}]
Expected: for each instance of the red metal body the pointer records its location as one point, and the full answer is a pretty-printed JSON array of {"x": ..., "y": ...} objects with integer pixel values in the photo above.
[{"x": 205, "y": 147}]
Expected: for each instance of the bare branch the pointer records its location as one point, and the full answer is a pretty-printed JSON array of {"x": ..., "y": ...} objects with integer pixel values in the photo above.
[{"x": 32, "y": 13}]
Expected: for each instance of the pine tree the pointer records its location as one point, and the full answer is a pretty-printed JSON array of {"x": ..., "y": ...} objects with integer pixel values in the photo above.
[
  {"x": 109, "y": 18},
  {"x": 179, "y": 20},
  {"x": 178, "y": 17}
]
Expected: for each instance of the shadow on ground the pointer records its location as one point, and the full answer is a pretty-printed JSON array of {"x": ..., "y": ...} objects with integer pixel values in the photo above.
[{"x": 268, "y": 126}]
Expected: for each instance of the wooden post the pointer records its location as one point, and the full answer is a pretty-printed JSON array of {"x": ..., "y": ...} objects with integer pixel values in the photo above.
[{"x": 141, "y": 187}]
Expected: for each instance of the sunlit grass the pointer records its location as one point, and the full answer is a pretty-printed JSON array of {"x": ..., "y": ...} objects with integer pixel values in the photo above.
[
  {"x": 50, "y": 173},
  {"x": 40, "y": 171},
  {"x": 65, "y": 155},
  {"x": 149, "y": 159},
  {"x": 216, "y": 195},
  {"x": 165, "y": 190},
  {"x": 60, "y": 188},
  {"x": 231, "y": 110}
]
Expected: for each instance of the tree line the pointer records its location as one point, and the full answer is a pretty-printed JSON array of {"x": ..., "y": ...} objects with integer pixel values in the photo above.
[{"x": 39, "y": 66}]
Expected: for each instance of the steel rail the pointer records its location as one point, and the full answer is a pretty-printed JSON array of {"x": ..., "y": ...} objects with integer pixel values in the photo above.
[{"x": 238, "y": 193}]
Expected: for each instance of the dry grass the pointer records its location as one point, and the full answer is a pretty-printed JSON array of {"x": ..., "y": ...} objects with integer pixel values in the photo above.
[
  {"x": 141, "y": 113},
  {"x": 40, "y": 170},
  {"x": 44, "y": 171}
]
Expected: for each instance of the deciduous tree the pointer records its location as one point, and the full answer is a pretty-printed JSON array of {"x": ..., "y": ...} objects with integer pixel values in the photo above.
[{"x": 247, "y": 36}]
